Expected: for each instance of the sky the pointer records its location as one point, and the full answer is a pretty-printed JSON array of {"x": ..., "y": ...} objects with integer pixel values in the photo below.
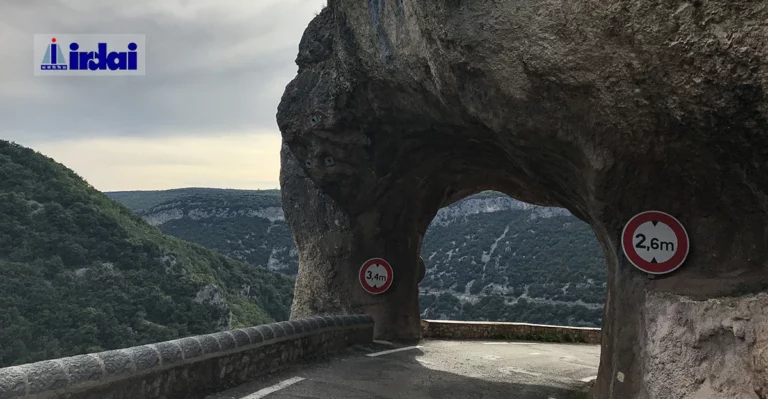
[{"x": 202, "y": 116}]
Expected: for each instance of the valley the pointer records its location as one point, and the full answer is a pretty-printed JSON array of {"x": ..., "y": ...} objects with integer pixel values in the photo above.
[
  {"x": 488, "y": 257},
  {"x": 80, "y": 273}
]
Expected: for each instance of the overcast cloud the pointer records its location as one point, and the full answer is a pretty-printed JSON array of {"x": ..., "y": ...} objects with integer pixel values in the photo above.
[
  {"x": 204, "y": 113},
  {"x": 212, "y": 65}
]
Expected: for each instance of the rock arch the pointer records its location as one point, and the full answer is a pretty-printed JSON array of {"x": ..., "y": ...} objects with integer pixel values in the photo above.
[{"x": 604, "y": 108}]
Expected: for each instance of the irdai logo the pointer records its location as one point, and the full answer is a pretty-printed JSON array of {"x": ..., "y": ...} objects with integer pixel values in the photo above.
[{"x": 89, "y": 55}]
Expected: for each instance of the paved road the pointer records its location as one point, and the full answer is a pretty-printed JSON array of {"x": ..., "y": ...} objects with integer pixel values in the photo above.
[{"x": 435, "y": 369}]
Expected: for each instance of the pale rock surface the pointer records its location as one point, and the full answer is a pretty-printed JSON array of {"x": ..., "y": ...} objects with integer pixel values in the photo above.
[{"x": 712, "y": 349}]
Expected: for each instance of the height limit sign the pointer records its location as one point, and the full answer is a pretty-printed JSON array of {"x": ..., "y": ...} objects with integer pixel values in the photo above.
[
  {"x": 655, "y": 242},
  {"x": 376, "y": 275}
]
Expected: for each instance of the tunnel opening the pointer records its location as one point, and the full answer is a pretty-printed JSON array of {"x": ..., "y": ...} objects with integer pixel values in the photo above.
[{"x": 489, "y": 257}]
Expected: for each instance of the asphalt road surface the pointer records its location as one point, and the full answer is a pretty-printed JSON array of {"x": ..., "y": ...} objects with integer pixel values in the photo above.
[{"x": 434, "y": 369}]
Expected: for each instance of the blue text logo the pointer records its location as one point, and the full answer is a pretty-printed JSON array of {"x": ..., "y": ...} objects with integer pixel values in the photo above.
[{"x": 90, "y": 55}]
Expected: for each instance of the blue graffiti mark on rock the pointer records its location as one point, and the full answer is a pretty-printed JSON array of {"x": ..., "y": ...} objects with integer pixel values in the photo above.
[
  {"x": 376, "y": 9},
  {"x": 400, "y": 16}
]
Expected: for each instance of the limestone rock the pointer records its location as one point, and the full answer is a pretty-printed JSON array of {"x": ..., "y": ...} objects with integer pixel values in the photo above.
[
  {"x": 706, "y": 349},
  {"x": 605, "y": 108}
]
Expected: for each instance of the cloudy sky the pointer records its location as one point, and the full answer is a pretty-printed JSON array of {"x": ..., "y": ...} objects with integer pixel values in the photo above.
[{"x": 203, "y": 115}]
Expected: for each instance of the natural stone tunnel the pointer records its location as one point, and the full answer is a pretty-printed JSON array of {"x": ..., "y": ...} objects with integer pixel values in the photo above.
[{"x": 606, "y": 108}]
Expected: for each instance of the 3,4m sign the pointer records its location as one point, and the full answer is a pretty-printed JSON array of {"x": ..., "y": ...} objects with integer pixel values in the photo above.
[
  {"x": 376, "y": 275},
  {"x": 655, "y": 242}
]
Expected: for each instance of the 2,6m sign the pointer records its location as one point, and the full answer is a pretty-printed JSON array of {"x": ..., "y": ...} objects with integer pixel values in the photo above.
[{"x": 655, "y": 242}]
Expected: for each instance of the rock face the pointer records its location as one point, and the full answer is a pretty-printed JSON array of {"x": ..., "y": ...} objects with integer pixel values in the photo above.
[
  {"x": 706, "y": 349},
  {"x": 462, "y": 209},
  {"x": 605, "y": 108}
]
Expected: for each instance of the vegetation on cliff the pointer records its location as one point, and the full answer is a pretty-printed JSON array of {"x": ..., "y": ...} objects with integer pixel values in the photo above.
[
  {"x": 488, "y": 257},
  {"x": 532, "y": 264},
  {"x": 81, "y": 273},
  {"x": 139, "y": 201},
  {"x": 245, "y": 225}
]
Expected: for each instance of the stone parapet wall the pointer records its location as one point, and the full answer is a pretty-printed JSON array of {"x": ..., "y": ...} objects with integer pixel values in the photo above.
[
  {"x": 445, "y": 329},
  {"x": 185, "y": 368}
]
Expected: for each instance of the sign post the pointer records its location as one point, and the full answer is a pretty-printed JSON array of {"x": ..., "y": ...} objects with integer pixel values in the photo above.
[
  {"x": 655, "y": 242},
  {"x": 376, "y": 275}
]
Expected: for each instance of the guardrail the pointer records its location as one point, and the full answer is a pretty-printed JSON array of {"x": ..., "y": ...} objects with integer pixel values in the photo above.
[
  {"x": 185, "y": 368},
  {"x": 448, "y": 329}
]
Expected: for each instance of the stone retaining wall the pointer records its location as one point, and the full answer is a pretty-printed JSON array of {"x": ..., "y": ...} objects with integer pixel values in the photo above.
[
  {"x": 185, "y": 368},
  {"x": 511, "y": 331}
]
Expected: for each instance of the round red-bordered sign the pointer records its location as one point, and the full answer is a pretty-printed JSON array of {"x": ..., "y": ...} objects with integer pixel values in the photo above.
[
  {"x": 376, "y": 275},
  {"x": 655, "y": 242}
]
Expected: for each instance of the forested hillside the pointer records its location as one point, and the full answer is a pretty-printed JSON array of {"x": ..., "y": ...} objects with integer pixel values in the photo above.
[
  {"x": 81, "y": 273},
  {"x": 246, "y": 225},
  {"x": 138, "y": 201},
  {"x": 488, "y": 257}
]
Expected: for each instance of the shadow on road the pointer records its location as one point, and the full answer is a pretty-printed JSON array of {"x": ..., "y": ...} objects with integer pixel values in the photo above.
[{"x": 352, "y": 375}]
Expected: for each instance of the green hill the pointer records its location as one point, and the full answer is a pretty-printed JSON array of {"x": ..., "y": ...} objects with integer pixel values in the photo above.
[{"x": 81, "y": 273}]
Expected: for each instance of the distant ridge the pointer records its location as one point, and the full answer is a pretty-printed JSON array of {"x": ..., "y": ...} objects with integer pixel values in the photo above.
[
  {"x": 488, "y": 256},
  {"x": 138, "y": 200}
]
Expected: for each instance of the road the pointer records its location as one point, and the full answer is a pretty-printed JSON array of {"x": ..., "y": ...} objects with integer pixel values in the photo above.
[{"x": 434, "y": 369}]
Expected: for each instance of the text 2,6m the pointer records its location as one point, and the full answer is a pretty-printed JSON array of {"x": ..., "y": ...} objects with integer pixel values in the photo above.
[{"x": 654, "y": 243}]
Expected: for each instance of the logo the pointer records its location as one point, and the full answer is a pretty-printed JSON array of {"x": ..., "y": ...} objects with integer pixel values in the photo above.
[
  {"x": 54, "y": 58},
  {"x": 89, "y": 55}
]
